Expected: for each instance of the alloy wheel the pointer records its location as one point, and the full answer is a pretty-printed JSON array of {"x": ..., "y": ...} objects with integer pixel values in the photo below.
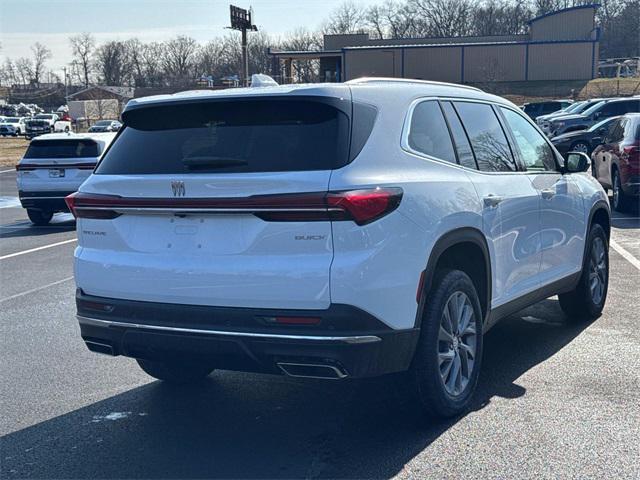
[
  {"x": 616, "y": 191},
  {"x": 580, "y": 147},
  {"x": 457, "y": 344},
  {"x": 597, "y": 270}
]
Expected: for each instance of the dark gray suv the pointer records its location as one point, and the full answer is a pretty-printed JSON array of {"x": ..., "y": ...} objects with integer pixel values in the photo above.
[{"x": 604, "y": 109}]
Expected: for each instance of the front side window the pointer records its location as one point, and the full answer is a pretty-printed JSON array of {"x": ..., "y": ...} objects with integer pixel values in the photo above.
[
  {"x": 428, "y": 132},
  {"x": 536, "y": 152},
  {"x": 488, "y": 141}
]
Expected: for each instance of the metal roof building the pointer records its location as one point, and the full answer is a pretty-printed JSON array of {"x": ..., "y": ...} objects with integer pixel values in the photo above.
[{"x": 561, "y": 45}]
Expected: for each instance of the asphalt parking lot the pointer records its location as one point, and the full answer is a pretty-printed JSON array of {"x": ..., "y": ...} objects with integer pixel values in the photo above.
[{"x": 555, "y": 400}]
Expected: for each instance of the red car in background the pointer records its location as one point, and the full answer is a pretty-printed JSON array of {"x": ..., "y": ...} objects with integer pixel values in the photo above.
[{"x": 616, "y": 162}]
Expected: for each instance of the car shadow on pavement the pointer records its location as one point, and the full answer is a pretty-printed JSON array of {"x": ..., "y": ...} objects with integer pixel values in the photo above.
[
  {"x": 27, "y": 230},
  {"x": 237, "y": 425}
]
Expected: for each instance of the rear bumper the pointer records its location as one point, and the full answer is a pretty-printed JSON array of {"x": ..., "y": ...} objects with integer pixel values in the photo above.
[
  {"x": 347, "y": 340},
  {"x": 50, "y": 201}
]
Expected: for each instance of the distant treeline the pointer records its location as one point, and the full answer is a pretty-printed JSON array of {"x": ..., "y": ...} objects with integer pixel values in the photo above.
[{"x": 177, "y": 62}]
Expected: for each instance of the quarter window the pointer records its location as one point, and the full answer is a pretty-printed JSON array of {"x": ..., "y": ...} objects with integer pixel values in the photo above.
[
  {"x": 488, "y": 141},
  {"x": 465, "y": 154},
  {"x": 428, "y": 132},
  {"x": 535, "y": 151}
]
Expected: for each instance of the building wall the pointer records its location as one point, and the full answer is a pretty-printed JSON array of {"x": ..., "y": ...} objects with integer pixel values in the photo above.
[
  {"x": 506, "y": 63},
  {"x": 575, "y": 24},
  {"x": 373, "y": 63},
  {"x": 476, "y": 64},
  {"x": 561, "y": 61},
  {"x": 440, "y": 64}
]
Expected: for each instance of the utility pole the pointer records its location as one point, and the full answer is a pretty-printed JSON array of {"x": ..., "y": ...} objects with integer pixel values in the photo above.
[
  {"x": 66, "y": 90},
  {"x": 241, "y": 20}
]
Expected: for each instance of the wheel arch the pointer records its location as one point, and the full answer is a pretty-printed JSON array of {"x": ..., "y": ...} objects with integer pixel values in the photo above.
[
  {"x": 600, "y": 213},
  {"x": 465, "y": 249}
]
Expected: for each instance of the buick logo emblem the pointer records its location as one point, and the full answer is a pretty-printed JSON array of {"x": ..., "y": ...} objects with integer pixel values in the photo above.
[{"x": 177, "y": 187}]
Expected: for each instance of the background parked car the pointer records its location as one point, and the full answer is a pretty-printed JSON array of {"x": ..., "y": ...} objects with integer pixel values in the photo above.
[
  {"x": 54, "y": 166},
  {"x": 535, "y": 109},
  {"x": 616, "y": 162},
  {"x": 105, "y": 126},
  {"x": 37, "y": 126},
  {"x": 604, "y": 109},
  {"x": 544, "y": 121},
  {"x": 584, "y": 141},
  {"x": 13, "y": 126},
  {"x": 50, "y": 118}
]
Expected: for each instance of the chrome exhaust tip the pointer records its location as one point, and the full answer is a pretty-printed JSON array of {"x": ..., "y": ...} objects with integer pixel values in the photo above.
[
  {"x": 102, "y": 348},
  {"x": 313, "y": 370}
]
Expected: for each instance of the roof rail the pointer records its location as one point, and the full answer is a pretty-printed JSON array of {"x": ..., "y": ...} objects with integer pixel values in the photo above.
[{"x": 408, "y": 80}]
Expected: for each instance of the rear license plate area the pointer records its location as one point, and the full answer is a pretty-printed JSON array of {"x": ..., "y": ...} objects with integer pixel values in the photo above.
[{"x": 56, "y": 172}]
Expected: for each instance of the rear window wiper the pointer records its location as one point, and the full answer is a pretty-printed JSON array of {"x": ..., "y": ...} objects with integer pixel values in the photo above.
[{"x": 207, "y": 161}]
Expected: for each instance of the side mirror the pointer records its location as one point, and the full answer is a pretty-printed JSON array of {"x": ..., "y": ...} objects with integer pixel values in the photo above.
[{"x": 577, "y": 162}]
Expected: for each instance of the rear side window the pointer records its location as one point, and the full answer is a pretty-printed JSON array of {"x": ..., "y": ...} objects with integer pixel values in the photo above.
[
  {"x": 535, "y": 151},
  {"x": 488, "y": 141},
  {"x": 63, "y": 149},
  {"x": 465, "y": 154},
  {"x": 231, "y": 136},
  {"x": 616, "y": 131},
  {"x": 428, "y": 132}
]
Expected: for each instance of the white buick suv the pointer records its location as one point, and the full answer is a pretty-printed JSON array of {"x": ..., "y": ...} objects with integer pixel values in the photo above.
[{"x": 332, "y": 231}]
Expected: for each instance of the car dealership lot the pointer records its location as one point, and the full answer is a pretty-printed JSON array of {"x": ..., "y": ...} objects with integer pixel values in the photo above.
[{"x": 554, "y": 400}]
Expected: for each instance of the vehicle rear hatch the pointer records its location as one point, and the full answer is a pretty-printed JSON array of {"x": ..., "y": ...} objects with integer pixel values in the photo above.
[
  {"x": 59, "y": 164},
  {"x": 216, "y": 201}
]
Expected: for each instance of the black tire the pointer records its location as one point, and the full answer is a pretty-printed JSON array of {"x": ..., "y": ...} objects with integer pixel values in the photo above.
[
  {"x": 581, "y": 305},
  {"x": 581, "y": 147},
  {"x": 175, "y": 372},
  {"x": 425, "y": 378},
  {"x": 39, "y": 217},
  {"x": 620, "y": 200}
]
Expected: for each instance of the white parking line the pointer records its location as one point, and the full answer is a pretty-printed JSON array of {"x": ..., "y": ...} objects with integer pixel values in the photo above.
[
  {"x": 33, "y": 290},
  {"x": 627, "y": 256},
  {"x": 7, "y": 171},
  {"x": 24, "y": 252}
]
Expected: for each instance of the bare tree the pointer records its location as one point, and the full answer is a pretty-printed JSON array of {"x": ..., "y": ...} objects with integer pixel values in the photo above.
[
  {"x": 501, "y": 17},
  {"x": 24, "y": 70},
  {"x": 9, "y": 73},
  {"x": 444, "y": 18},
  {"x": 40, "y": 56},
  {"x": 402, "y": 20},
  {"x": 112, "y": 62},
  {"x": 347, "y": 18},
  {"x": 303, "y": 40},
  {"x": 179, "y": 59},
  {"x": 82, "y": 49}
]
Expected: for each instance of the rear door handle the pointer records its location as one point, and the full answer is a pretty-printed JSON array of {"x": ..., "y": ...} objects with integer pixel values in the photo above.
[
  {"x": 548, "y": 193},
  {"x": 492, "y": 201}
]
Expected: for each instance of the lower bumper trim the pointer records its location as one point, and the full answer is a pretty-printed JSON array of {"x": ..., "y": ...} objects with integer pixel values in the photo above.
[{"x": 353, "y": 339}]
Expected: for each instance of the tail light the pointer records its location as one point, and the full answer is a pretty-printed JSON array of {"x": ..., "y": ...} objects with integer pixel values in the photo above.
[
  {"x": 631, "y": 153},
  {"x": 360, "y": 206},
  {"x": 83, "y": 205},
  {"x": 25, "y": 167}
]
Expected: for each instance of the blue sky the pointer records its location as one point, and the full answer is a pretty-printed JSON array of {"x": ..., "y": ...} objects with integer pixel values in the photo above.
[{"x": 24, "y": 22}]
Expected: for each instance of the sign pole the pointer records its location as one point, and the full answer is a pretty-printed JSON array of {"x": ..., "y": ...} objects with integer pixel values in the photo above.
[{"x": 241, "y": 20}]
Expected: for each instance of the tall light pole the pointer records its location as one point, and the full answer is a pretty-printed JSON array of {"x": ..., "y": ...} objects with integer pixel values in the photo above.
[{"x": 241, "y": 20}]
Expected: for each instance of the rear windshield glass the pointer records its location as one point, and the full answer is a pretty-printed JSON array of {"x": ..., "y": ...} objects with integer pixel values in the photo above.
[
  {"x": 231, "y": 136},
  {"x": 63, "y": 149}
]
